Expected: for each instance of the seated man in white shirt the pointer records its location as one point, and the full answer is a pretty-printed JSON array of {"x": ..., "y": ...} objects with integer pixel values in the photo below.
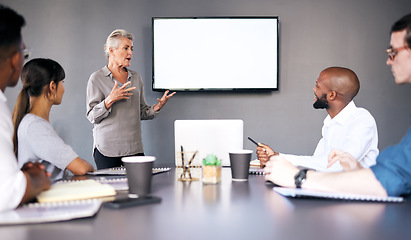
[
  {"x": 347, "y": 128},
  {"x": 16, "y": 185}
]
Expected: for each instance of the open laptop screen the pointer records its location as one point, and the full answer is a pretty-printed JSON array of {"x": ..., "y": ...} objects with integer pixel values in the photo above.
[{"x": 216, "y": 137}]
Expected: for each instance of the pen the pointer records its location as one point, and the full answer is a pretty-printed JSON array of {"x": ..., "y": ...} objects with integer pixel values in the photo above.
[
  {"x": 192, "y": 158},
  {"x": 256, "y": 143},
  {"x": 182, "y": 156},
  {"x": 189, "y": 163}
]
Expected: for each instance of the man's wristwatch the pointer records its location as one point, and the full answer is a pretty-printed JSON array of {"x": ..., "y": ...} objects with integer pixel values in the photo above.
[{"x": 300, "y": 177}]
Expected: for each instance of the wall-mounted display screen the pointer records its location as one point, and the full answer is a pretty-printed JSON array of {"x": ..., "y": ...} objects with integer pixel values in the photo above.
[{"x": 215, "y": 53}]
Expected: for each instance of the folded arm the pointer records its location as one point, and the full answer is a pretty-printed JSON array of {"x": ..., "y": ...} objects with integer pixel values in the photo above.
[
  {"x": 362, "y": 181},
  {"x": 37, "y": 180}
]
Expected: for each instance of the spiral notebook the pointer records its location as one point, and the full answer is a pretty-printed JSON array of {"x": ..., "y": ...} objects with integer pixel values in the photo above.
[
  {"x": 119, "y": 184},
  {"x": 122, "y": 171},
  {"x": 255, "y": 168},
  {"x": 302, "y": 193},
  {"x": 256, "y": 171},
  {"x": 50, "y": 212}
]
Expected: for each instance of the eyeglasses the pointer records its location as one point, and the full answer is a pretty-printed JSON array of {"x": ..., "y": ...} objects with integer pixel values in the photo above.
[
  {"x": 26, "y": 53},
  {"x": 392, "y": 52}
]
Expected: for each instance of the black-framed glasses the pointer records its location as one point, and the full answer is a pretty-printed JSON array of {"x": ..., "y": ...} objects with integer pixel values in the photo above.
[
  {"x": 26, "y": 53},
  {"x": 392, "y": 52}
]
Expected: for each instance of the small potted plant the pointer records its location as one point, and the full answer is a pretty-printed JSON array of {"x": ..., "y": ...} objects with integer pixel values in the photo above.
[{"x": 211, "y": 169}]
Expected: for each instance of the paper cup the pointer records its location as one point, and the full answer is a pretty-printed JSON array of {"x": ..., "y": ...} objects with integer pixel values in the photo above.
[
  {"x": 139, "y": 174},
  {"x": 240, "y": 164}
]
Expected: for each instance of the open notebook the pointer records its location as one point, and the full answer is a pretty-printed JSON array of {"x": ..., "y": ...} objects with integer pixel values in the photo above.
[
  {"x": 50, "y": 212},
  {"x": 76, "y": 190},
  {"x": 302, "y": 193}
]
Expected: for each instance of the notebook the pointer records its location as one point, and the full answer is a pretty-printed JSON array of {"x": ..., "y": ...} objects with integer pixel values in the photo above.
[
  {"x": 50, "y": 212},
  {"x": 76, "y": 190},
  {"x": 122, "y": 171},
  {"x": 205, "y": 137},
  {"x": 255, "y": 168},
  {"x": 256, "y": 171},
  {"x": 119, "y": 184},
  {"x": 302, "y": 193}
]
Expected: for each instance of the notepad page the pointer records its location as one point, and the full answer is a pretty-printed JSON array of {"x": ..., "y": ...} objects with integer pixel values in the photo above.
[{"x": 76, "y": 190}]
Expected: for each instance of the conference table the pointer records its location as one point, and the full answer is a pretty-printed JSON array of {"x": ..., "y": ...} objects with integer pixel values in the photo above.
[{"x": 228, "y": 210}]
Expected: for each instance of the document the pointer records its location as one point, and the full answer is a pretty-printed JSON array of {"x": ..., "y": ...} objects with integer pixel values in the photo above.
[
  {"x": 50, "y": 212},
  {"x": 302, "y": 193}
]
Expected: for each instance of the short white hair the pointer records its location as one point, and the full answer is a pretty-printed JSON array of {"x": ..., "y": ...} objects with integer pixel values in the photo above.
[{"x": 113, "y": 40}]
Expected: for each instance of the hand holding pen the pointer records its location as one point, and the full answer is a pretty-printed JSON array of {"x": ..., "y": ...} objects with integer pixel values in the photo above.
[{"x": 264, "y": 152}]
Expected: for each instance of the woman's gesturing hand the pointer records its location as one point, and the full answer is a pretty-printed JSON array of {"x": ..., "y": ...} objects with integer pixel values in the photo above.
[
  {"x": 118, "y": 93},
  {"x": 163, "y": 100}
]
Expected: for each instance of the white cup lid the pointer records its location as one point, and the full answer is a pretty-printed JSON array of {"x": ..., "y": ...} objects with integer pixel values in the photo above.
[
  {"x": 138, "y": 159},
  {"x": 240, "y": 151}
]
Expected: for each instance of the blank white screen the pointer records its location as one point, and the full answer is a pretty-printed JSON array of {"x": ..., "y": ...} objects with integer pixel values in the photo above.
[{"x": 215, "y": 53}]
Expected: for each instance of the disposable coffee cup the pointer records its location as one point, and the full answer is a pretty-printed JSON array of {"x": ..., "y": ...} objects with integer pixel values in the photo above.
[
  {"x": 139, "y": 175},
  {"x": 240, "y": 164}
]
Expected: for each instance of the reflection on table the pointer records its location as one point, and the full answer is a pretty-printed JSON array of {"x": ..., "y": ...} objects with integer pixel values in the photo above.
[{"x": 229, "y": 210}]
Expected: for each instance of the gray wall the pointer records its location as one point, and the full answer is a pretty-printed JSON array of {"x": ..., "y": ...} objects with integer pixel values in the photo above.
[{"x": 314, "y": 34}]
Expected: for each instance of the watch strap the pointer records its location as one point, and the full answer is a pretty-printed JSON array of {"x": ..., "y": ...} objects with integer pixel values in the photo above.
[{"x": 300, "y": 177}]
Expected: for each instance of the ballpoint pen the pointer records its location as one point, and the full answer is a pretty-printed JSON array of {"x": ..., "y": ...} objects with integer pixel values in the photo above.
[
  {"x": 189, "y": 163},
  {"x": 256, "y": 143},
  {"x": 182, "y": 162},
  {"x": 192, "y": 158},
  {"x": 182, "y": 156}
]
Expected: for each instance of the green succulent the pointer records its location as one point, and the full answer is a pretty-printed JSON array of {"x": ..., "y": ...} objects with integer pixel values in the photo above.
[{"x": 211, "y": 160}]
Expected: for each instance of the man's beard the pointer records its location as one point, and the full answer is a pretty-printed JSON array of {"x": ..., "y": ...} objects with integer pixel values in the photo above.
[{"x": 321, "y": 103}]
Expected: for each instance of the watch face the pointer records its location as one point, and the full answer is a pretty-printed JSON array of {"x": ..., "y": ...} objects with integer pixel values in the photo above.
[{"x": 300, "y": 177}]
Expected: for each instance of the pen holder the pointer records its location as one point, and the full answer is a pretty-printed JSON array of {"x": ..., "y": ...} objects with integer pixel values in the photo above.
[
  {"x": 186, "y": 165},
  {"x": 211, "y": 174}
]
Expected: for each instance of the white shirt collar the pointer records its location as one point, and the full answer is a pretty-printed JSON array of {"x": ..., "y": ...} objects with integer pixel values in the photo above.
[
  {"x": 3, "y": 97},
  {"x": 108, "y": 73},
  {"x": 343, "y": 116}
]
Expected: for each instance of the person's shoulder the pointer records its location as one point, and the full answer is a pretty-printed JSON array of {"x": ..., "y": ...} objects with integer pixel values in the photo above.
[
  {"x": 363, "y": 115},
  {"x": 364, "y": 111},
  {"x": 96, "y": 74},
  {"x": 34, "y": 123},
  {"x": 101, "y": 73},
  {"x": 28, "y": 119}
]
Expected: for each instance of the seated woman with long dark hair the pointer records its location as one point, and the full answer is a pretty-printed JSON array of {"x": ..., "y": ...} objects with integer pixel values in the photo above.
[{"x": 34, "y": 137}]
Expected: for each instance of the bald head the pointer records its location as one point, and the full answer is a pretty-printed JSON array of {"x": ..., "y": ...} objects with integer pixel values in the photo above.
[{"x": 343, "y": 81}]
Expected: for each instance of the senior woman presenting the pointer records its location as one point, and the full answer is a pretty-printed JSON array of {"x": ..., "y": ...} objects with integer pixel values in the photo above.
[{"x": 116, "y": 104}]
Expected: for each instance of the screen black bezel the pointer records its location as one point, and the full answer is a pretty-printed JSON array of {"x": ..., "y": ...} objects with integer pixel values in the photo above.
[{"x": 218, "y": 89}]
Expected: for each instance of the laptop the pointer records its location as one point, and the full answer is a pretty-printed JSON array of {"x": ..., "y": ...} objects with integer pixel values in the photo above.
[{"x": 202, "y": 137}]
